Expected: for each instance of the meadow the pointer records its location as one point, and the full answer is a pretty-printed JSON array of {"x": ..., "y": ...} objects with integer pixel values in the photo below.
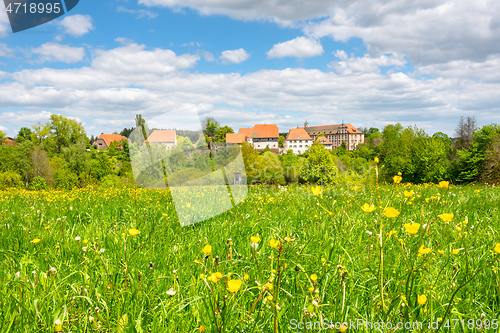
[{"x": 286, "y": 259}]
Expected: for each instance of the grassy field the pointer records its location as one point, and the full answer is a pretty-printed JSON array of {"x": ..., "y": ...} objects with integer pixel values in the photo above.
[{"x": 287, "y": 258}]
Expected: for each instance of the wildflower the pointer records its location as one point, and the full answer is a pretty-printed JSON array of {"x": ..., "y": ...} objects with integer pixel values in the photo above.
[
  {"x": 446, "y": 217},
  {"x": 408, "y": 193},
  {"x": 233, "y": 285},
  {"x": 171, "y": 291},
  {"x": 314, "y": 277},
  {"x": 91, "y": 319},
  {"x": 215, "y": 277},
  {"x": 343, "y": 328},
  {"x": 288, "y": 239},
  {"x": 246, "y": 277},
  {"x": 77, "y": 238},
  {"x": 207, "y": 249},
  {"x": 58, "y": 325},
  {"x": 311, "y": 289},
  {"x": 455, "y": 251},
  {"x": 323, "y": 259},
  {"x": 397, "y": 179},
  {"x": 36, "y": 240},
  {"x": 444, "y": 184},
  {"x": 422, "y": 250},
  {"x": 457, "y": 228},
  {"x": 392, "y": 232},
  {"x": 422, "y": 299},
  {"x": 316, "y": 190},
  {"x": 133, "y": 232},
  {"x": 255, "y": 239},
  {"x": 497, "y": 248},
  {"x": 269, "y": 286},
  {"x": 201, "y": 329},
  {"x": 440, "y": 251},
  {"x": 391, "y": 212},
  {"x": 368, "y": 208},
  {"x": 412, "y": 228},
  {"x": 274, "y": 243},
  {"x": 376, "y": 160}
]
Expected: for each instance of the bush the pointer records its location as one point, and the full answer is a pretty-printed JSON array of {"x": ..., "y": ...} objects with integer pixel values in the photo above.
[
  {"x": 66, "y": 179},
  {"x": 38, "y": 184},
  {"x": 10, "y": 179}
]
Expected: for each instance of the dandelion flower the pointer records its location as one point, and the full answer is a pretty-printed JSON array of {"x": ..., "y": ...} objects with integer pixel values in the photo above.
[
  {"x": 133, "y": 232},
  {"x": 444, "y": 184},
  {"x": 397, "y": 179},
  {"x": 422, "y": 299},
  {"x": 316, "y": 190},
  {"x": 36, "y": 240},
  {"x": 234, "y": 285},
  {"x": 440, "y": 251},
  {"x": 497, "y": 248},
  {"x": 368, "y": 208},
  {"x": 391, "y": 212},
  {"x": 412, "y": 228},
  {"x": 314, "y": 277},
  {"x": 58, "y": 325},
  {"x": 207, "y": 249},
  {"x": 274, "y": 243},
  {"x": 288, "y": 239},
  {"x": 422, "y": 250},
  {"x": 446, "y": 217}
]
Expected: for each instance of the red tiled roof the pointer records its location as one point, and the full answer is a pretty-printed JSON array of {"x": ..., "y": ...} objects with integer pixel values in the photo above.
[
  {"x": 108, "y": 138},
  {"x": 246, "y": 131},
  {"x": 162, "y": 136},
  {"x": 322, "y": 139},
  {"x": 298, "y": 133},
  {"x": 265, "y": 131},
  {"x": 235, "y": 137},
  {"x": 331, "y": 129}
]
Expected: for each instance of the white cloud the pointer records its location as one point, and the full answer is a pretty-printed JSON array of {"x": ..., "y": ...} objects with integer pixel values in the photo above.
[
  {"x": 139, "y": 13},
  {"x": 300, "y": 47},
  {"x": 6, "y": 51},
  {"x": 234, "y": 56},
  {"x": 366, "y": 64},
  {"x": 77, "y": 25},
  {"x": 4, "y": 23},
  {"x": 59, "y": 52}
]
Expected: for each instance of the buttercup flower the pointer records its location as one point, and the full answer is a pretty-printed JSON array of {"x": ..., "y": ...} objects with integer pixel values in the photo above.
[
  {"x": 408, "y": 193},
  {"x": 444, "y": 184},
  {"x": 376, "y": 160},
  {"x": 455, "y": 251},
  {"x": 36, "y": 240},
  {"x": 422, "y": 250},
  {"x": 391, "y": 212},
  {"x": 234, "y": 285},
  {"x": 274, "y": 243},
  {"x": 368, "y": 208},
  {"x": 422, "y": 299},
  {"x": 255, "y": 239},
  {"x": 446, "y": 217},
  {"x": 269, "y": 286},
  {"x": 497, "y": 248},
  {"x": 246, "y": 277},
  {"x": 316, "y": 190},
  {"x": 412, "y": 228},
  {"x": 392, "y": 232},
  {"x": 133, "y": 232},
  {"x": 314, "y": 277},
  {"x": 207, "y": 249},
  {"x": 397, "y": 179}
]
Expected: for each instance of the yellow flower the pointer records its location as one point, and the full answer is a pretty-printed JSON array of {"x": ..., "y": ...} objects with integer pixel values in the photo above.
[
  {"x": 376, "y": 160},
  {"x": 422, "y": 250},
  {"x": 58, "y": 325},
  {"x": 400, "y": 174},
  {"x": 215, "y": 277},
  {"x": 446, "y": 217},
  {"x": 397, "y": 179},
  {"x": 311, "y": 289},
  {"x": 316, "y": 190},
  {"x": 408, "y": 193},
  {"x": 392, "y": 232},
  {"x": 207, "y": 249},
  {"x": 455, "y": 251},
  {"x": 234, "y": 285},
  {"x": 440, "y": 251},
  {"x": 274, "y": 243},
  {"x": 444, "y": 184},
  {"x": 255, "y": 239},
  {"x": 368, "y": 208},
  {"x": 343, "y": 328},
  {"x": 288, "y": 239},
  {"x": 391, "y": 212},
  {"x": 412, "y": 228},
  {"x": 422, "y": 299},
  {"x": 201, "y": 329},
  {"x": 314, "y": 277},
  {"x": 497, "y": 248},
  {"x": 133, "y": 232},
  {"x": 457, "y": 228},
  {"x": 269, "y": 286},
  {"x": 36, "y": 240},
  {"x": 246, "y": 277},
  {"x": 218, "y": 275}
]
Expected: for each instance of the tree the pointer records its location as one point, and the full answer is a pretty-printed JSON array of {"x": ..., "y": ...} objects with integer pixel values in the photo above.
[
  {"x": 2, "y": 135},
  {"x": 210, "y": 127},
  {"x": 465, "y": 132},
  {"x": 281, "y": 141},
  {"x": 272, "y": 171},
  {"x": 221, "y": 133},
  {"x": 319, "y": 167},
  {"x": 126, "y": 131},
  {"x": 59, "y": 132}
]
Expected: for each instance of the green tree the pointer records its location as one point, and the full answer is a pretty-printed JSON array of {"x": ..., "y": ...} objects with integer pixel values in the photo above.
[
  {"x": 24, "y": 134},
  {"x": 271, "y": 169},
  {"x": 59, "y": 132},
  {"x": 281, "y": 141},
  {"x": 221, "y": 133},
  {"x": 319, "y": 166}
]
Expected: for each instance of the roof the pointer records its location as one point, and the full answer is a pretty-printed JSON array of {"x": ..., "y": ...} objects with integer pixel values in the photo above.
[
  {"x": 246, "y": 131},
  {"x": 235, "y": 137},
  {"x": 331, "y": 129},
  {"x": 162, "y": 136},
  {"x": 265, "y": 131},
  {"x": 298, "y": 133},
  {"x": 322, "y": 139},
  {"x": 108, "y": 138}
]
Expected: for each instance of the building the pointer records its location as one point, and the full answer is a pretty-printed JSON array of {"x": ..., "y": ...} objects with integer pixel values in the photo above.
[
  {"x": 266, "y": 136},
  {"x": 298, "y": 141},
  {"x": 163, "y": 137},
  {"x": 237, "y": 138},
  {"x": 325, "y": 142},
  {"x": 104, "y": 140},
  {"x": 8, "y": 141},
  {"x": 337, "y": 134}
]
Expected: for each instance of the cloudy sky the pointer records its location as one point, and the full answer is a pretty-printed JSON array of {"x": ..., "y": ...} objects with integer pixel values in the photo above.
[{"x": 366, "y": 62}]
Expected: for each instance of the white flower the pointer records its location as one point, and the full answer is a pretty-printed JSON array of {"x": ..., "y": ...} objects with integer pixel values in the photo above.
[
  {"x": 77, "y": 238},
  {"x": 254, "y": 245},
  {"x": 102, "y": 250},
  {"x": 424, "y": 226},
  {"x": 18, "y": 274},
  {"x": 369, "y": 232},
  {"x": 84, "y": 249},
  {"x": 171, "y": 291},
  {"x": 91, "y": 319}
]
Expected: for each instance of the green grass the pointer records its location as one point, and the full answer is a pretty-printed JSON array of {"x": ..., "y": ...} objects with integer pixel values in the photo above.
[{"x": 124, "y": 281}]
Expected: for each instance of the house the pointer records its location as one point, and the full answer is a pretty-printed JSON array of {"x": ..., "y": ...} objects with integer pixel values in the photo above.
[
  {"x": 237, "y": 138},
  {"x": 8, "y": 141},
  {"x": 337, "y": 134},
  {"x": 324, "y": 141},
  {"x": 298, "y": 141},
  {"x": 104, "y": 140},
  {"x": 163, "y": 137},
  {"x": 266, "y": 136}
]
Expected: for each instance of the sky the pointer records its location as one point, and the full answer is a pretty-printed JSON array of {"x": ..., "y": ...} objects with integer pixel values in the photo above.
[{"x": 365, "y": 62}]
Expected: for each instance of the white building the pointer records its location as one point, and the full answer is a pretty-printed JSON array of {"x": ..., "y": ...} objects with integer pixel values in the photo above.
[{"x": 298, "y": 141}]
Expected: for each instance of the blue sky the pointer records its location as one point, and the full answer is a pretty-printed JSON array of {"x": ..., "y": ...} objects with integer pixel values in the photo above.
[{"x": 370, "y": 63}]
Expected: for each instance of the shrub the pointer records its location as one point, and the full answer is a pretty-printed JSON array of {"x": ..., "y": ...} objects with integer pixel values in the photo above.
[
  {"x": 10, "y": 179},
  {"x": 37, "y": 184}
]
